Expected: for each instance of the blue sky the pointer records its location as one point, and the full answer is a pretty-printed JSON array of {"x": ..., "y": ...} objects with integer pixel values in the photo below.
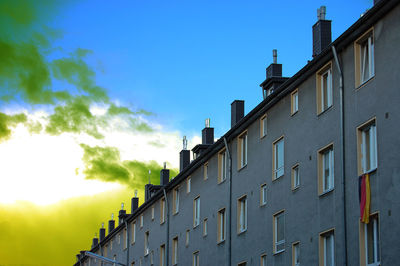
[{"x": 188, "y": 60}]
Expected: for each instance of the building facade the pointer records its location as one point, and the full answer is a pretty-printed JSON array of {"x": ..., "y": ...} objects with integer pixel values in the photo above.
[{"x": 285, "y": 184}]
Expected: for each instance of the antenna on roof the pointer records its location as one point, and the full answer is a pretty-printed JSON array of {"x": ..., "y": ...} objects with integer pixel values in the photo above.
[
  {"x": 135, "y": 193},
  {"x": 321, "y": 12},
  {"x": 102, "y": 225},
  {"x": 122, "y": 206},
  {"x": 95, "y": 234},
  {"x": 274, "y": 56},
  {"x": 208, "y": 122},
  {"x": 165, "y": 165},
  {"x": 184, "y": 143},
  {"x": 112, "y": 216}
]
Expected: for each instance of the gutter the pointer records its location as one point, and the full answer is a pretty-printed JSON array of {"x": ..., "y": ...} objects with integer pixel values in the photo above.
[
  {"x": 342, "y": 152},
  {"x": 167, "y": 240},
  {"x": 230, "y": 204}
]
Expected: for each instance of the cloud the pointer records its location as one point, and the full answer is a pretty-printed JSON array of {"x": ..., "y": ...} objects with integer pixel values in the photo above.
[
  {"x": 105, "y": 164},
  {"x": 8, "y": 121}
]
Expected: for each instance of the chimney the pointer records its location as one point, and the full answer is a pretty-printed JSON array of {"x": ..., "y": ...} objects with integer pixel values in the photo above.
[
  {"x": 184, "y": 156},
  {"x": 164, "y": 175},
  {"x": 111, "y": 224},
  {"x": 134, "y": 203},
  {"x": 102, "y": 233},
  {"x": 237, "y": 111},
  {"x": 376, "y": 1},
  {"x": 95, "y": 242},
  {"x": 207, "y": 133},
  {"x": 274, "y": 69},
  {"x": 122, "y": 214},
  {"x": 322, "y": 36},
  {"x": 147, "y": 194}
]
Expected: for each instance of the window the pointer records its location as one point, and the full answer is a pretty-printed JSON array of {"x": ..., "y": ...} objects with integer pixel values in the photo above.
[
  {"x": 111, "y": 244},
  {"x": 324, "y": 88},
  {"x": 263, "y": 194},
  {"x": 196, "y": 211},
  {"x": 187, "y": 237},
  {"x": 242, "y": 150},
  {"x": 175, "y": 251},
  {"x": 242, "y": 214},
  {"x": 367, "y": 148},
  {"x": 176, "y": 200},
  {"x": 263, "y": 260},
  {"x": 146, "y": 243},
  {"x": 222, "y": 165},
  {"x": 105, "y": 250},
  {"x": 242, "y": 264},
  {"x": 295, "y": 176},
  {"x": 279, "y": 232},
  {"x": 152, "y": 257},
  {"x": 205, "y": 171},
  {"x": 221, "y": 225},
  {"x": 326, "y": 169},
  {"x": 162, "y": 255},
  {"x": 141, "y": 221},
  {"x": 162, "y": 210},
  {"x": 327, "y": 248},
  {"x": 369, "y": 242},
  {"x": 119, "y": 239},
  {"x": 125, "y": 238},
  {"x": 205, "y": 227},
  {"x": 152, "y": 213},
  {"x": 278, "y": 158},
  {"x": 263, "y": 126},
  {"x": 296, "y": 254},
  {"x": 364, "y": 58},
  {"x": 196, "y": 259},
  {"x": 133, "y": 232},
  {"x": 188, "y": 184},
  {"x": 294, "y": 99}
]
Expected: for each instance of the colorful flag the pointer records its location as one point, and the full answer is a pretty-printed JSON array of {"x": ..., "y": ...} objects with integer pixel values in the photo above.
[{"x": 364, "y": 194}]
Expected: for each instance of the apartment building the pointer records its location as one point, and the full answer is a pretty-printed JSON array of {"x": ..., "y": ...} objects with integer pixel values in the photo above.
[{"x": 310, "y": 176}]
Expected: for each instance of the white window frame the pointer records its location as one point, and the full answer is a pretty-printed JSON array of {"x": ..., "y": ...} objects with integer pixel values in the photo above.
[
  {"x": 296, "y": 254},
  {"x": 328, "y": 162},
  {"x": 242, "y": 217},
  {"x": 243, "y": 149},
  {"x": 296, "y": 176},
  {"x": 279, "y": 169},
  {"x": 162, "y": 211},
  {"x": 223, "y": 166},
  {"x": 176, "y": 202},
  {"x": 373, "y": 157},
  {"x": 263, "y": 260},
  {"x": 374, "y": 221},
  {"x": 134, "y": 232},
  {"x": 328, "y": 90},
  {"x": 222, "y": 225},
  {"x": 187, "y": 240},
  {"x": 367, "y": 46},
  {"x": 329, "y": 237},
  {"x": 188, "y": 184},
  {"x": 196, "y": 211},
  {"x": 196, "y": 258},
  {"x": 281, "y": 241},
  {"x": 294, "y": 102},
  {"x": 146, "y": 243},
  {"x": 205, "y": 227},
  {"x": 263, "y": 195},
  {"x": 175, "y": 251},
  {"x": 162, "y": 255},
  {"x": 263, "y": 126}
]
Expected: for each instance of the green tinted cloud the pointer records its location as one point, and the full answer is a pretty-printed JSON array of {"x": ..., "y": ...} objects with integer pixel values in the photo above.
[
  {"x": 8, "y": 121},
  {"x": 104, "y": 163}
]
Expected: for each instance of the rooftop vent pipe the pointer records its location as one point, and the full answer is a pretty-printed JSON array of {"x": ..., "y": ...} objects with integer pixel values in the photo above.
[
  {"x": 164, "y": 175},
  {"x": 102, "y": 233},
  {"x": 122, "y": 214},
  {"x": 134, "y": 202}
]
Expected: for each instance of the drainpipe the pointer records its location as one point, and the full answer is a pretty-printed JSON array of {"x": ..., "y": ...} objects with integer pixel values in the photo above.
[
  {"x": 342, "y": 147},
  {"x": 127, "y": 242},
  {"x": 167, "y": 242},
  {"x": 230, "y": 204}
]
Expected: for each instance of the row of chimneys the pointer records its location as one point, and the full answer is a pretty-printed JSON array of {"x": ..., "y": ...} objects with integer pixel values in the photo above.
[{"x": 321, "y": 39}]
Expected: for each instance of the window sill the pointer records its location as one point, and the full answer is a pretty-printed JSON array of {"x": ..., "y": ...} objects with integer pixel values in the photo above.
[
  {"x": 262, "y": 137},
  {"x": 294, "y": 189},
  {"x": 175, "y": 213},
  {"x": 242, "y": 167},
  {"x": 195, "y": 226},
  {"x": 263, "y": 205},
  {"x": 292, "y": 114},
  {"x": 324, "y": 111},
  {"x": 369, "y": 171},
  {"x": 279, "y": 252},
  {"x": 163, "y": 222},
  {"x": 221, "y": 242},
  {"x": 145, "y": 255},
  {"x": 362, "y": 84},
  {"x": 326, "y": 192},
  {"x": 277, "y": 178},
  {"x": 132, "y": 243},
  {"x": 242, "y": 232},
  {"x": 221, "y": 181}
]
